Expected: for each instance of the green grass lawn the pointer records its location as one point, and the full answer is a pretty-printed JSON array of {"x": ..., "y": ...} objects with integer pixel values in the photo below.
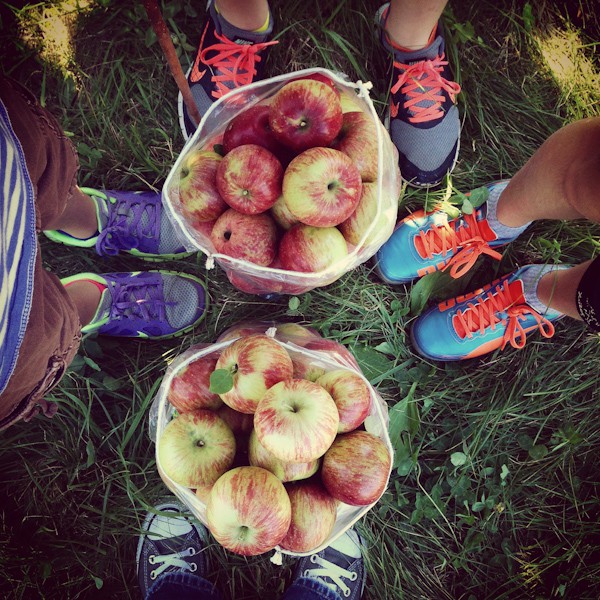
[{"x": 494, "y": 492}]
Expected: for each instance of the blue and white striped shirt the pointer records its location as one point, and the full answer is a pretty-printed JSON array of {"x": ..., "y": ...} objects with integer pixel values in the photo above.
[{"x": 18, "y": 247}]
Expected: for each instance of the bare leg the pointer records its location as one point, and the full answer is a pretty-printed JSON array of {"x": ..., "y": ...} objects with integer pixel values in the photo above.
[
  {"x": 410, "y": 22},
  {"x": 79, "y": 218},
  {"x": 86, "y": 297},
  {"x": 244, "y": 14},
  {"x": 560, "y": 181}
]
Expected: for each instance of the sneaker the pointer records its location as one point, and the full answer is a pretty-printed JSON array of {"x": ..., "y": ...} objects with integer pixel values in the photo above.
[
  {"x": 425, "y": 242},
  {"x": 170, "y": 542},
  {"x": 132, "y": 222},
  {"x": 481, "y": 322},
  {"x": 227, "y": 58},
  {"x": 340, "y": 567},
  {"x": 423, "y": 118},
  {"x": 147, "y": 304}
]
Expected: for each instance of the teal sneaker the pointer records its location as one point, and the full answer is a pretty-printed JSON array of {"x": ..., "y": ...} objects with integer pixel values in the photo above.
[
  {"x": 132, "y": 222},
  {"x": 145, "y": 304},
  {"x": 425, "y": 242},
  {"x": 480, "y": 322}
]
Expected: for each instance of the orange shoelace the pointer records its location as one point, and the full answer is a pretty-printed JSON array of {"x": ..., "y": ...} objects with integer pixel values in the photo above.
[
  {"x": 473, "y": 242},
  {"x": 507, "y": 299},
  {"x": 236, "y": 63},
  {"x": 423, "y": 82}
]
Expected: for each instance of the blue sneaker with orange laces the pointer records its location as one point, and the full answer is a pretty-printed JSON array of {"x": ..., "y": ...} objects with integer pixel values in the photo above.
[
  {"x": 423, "y": 118},
  {"x": 227, "y": 58},
  {"x": 145, "y": 304},
  {"x": 480, "y": 322},
  {"x": 131, "y": 222},
  {"x": 425, "y": 242}
]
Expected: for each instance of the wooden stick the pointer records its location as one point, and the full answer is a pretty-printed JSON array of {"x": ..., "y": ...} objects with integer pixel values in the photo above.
[{"x": 166, "y": 43}]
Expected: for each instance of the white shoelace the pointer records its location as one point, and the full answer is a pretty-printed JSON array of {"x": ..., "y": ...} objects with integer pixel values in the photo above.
[
  {"x": 333, "y": 572},
  {"x": 172, "y": 560}
]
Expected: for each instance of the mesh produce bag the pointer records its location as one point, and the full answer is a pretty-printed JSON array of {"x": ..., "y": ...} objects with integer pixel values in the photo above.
[{"x": 257, "y": 279}]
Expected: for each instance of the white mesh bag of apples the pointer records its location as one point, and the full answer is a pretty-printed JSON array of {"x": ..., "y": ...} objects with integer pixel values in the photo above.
[
  {"x": 287, "y": 183},
  {"x": 290, "y": 456}
]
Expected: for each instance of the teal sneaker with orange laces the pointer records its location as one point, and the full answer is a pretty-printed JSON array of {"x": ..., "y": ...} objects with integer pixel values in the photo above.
[
  {"x": 425, "y": 242},
  {"x": 480, "y": 322}
]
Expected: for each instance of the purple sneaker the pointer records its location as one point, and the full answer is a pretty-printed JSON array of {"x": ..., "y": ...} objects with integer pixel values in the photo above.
[
  {"x": 147, "y": 304},
  {"x": 132, "y": 222}
]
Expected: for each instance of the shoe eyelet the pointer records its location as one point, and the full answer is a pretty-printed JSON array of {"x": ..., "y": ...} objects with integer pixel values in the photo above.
[
  {"x": 151, "y": 559},
  {"x": 347, "y": 593},
  {"x": 153, "y": 575},
  {"x": 306, "y": 573},
  {"x": 193, "y": 567},
  {"x": 313, "y": 558},
  {"x": 354, "y": 577},
  {"x": 191, "y": 551}
]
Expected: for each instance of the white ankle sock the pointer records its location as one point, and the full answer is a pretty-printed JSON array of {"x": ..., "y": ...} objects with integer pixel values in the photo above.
[
  {"x": 531, "y": 277},
  {"x": 501, "y": 230}
]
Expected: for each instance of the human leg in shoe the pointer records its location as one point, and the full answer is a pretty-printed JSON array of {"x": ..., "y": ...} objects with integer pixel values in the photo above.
[
  {"x": 423, "y": 118},
  {"x": 560, "y": 181},
  {"x": 230, "y": 54}
]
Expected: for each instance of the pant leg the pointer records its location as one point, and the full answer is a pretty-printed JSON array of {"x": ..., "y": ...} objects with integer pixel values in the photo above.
[
  {"x": 588, "y": 296},
  {"x": 308, "y": 588},
  {"x": 182, "y": 586},
  {"x": 53, "y": 331}
]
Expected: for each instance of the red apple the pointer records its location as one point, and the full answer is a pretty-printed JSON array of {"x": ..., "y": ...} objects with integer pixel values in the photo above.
[
  {"x": 365, "y": 215},
  {"x": 305, "y": 113},
  {"x": 356, "y": 468},
  {"x": 251, "y": 127},
  {"x": 296, "y": 420},
  {"x": 310, "y": 249},
  {"x": 294, "y": 332},
  {"x": 243, "y": 329},
  {"x": 358, "y": 139},
  {"x": 323, "y": 79},
  {"x": 248, "y": 284},
  {"x": 322, "y": 187},
  {"x": 305, "y": 368},
  {"x": 198, "y": 192},
  {"x": 189, "y": 388},
  {"x": 256, "y": 363},
  {"x": 239, "y": 423},
  {"x": 351, "y": 395},
  {"x": 282, "y": 215},
  {"x": 314, "y": 513},
  {"x": 249, "y": 179},
  {"x": 259, "y": 456},
  {"x": 246, "y": 237},
  {"x": 332, "y": 347},
  {"x": 196, "y": 448},
  {"x": 205, "y": 227},
  {"x": 248, "y": 511}
]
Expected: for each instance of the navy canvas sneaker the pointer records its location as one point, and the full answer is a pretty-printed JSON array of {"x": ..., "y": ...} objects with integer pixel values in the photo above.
[
  {"x": 423, "y": 118},
  {"x": 145, "y": 304},
  {"x": 227, "y": 58}
]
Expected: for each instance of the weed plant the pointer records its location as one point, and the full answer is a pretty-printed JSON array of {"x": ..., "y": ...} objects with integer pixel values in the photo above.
[{"x": 494, "y": 492}]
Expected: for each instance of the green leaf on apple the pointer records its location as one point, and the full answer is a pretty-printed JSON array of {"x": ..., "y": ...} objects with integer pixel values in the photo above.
[{"x": 221, "y": 381}]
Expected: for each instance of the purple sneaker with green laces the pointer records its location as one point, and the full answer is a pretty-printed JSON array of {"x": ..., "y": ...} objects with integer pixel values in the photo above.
[
  {"x": 132, "y": 222},
  {"x": 145, "y": 304}
]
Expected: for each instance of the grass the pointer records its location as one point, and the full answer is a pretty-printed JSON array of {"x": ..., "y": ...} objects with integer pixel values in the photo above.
[{"x": 494, "y": 492}]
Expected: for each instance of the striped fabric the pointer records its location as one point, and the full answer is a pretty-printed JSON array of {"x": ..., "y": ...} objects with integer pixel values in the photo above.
[{"x": 18, "y": 246}]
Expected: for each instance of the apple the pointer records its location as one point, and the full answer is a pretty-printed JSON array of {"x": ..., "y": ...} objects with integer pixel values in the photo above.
[
  {"x": 294, "y": 332},
  {"x": 356, "y": 468},
  {"x": 196, "y": 448},
  {"x": 243, "y": 329},
  {"x": 251, "y": 127},
  {"x": 305, "y": 113},
  {"x": 248, "y": 511},
  {"x": 239, "y": 423},
  {"x": 296, "y": 420},
  {"x": 248, "y": 284},
  {"x": 205, "y": 227},
  {"x": 249, "y": 179},
  {"x": 351, "y": 396},
  {"x": 282, "y": 215},
  {"x": 246, "y": 237},
  {"x": 189, "y": 389},
  {"x": 350, "y": 102},
  {"x": 358, "y": 139},
  {"x": 198, "y": 192},
  {"x": 323, "y": 79},
  {"x": 356, "y": 225},
  {"x": 322, "y": 187},
  {"x": 203, "y": 492},
  {"x": 256, "y": 363},
  {"x": 259, "y": 456},
  {"x": 331, "y": 346},
  {"x": 314, "y": 513},
  {"x": 311, "y": 249},
  {"x": 305, "y": 368}
]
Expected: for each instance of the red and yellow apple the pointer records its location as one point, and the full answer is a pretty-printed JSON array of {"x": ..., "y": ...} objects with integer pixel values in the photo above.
[{"x": 189, "y": 389}]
